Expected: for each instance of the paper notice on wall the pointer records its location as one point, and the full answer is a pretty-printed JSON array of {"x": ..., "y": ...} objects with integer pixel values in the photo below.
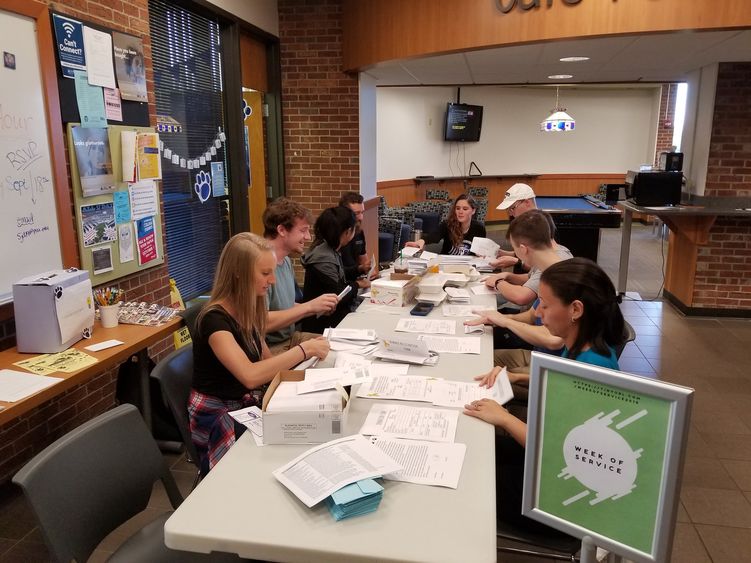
[
  {"x": 98, "y": 45},
  {"x": 112, "y": 105},
  {"x": 147, "y": 156},
  {"x": 125, "y": 240},
  {"x": 147, "y": 249},
  {"x": 143, "y": 199}
]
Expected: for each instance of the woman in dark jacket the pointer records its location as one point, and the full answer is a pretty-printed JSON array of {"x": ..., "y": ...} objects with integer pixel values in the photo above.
[{"x": 324, "y": 271}]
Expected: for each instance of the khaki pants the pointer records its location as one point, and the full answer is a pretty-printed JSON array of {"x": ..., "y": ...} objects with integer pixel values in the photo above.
[
  {"x": 296, "y": 338},
  {"x": 515, "y": 360}
]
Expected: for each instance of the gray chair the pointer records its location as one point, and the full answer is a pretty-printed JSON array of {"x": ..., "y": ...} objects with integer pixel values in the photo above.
[
  {"x": 175, "y": 375},
  {"x": 442, "y": 195},
  {"x": 94, "y": 479},
  {"x": 482, "y": 209},
  {"x": 392, "y": 226},
  {"x": 478, "y": 191},
  {"x": 629, "y": 335}
]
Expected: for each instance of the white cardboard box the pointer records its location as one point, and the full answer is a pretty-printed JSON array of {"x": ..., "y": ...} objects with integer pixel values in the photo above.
[
  {"x": 396, "y": 293},
  {"x": 288, "y": 426},
  {"x": 53, "y": 310}
]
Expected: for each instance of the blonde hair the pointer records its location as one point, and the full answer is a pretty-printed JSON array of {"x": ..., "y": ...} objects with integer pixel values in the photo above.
[{"x": 234, "y": 283}]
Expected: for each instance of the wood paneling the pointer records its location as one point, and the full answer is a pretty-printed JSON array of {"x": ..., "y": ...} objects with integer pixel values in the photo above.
[
  {"x": 253, "y": 63},
  {"x": 394, "y": 29},
  {"x": 257, "y": 159},
  {"x": 370, "y": 226},
  {"x": 680, "y": 270},
  {"x": 401, "y": 192}
]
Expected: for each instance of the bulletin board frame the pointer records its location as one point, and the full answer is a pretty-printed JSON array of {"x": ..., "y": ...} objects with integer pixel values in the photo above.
[
  {"x": 119, "y": 270},
  {"x": 604, "y": 455}
]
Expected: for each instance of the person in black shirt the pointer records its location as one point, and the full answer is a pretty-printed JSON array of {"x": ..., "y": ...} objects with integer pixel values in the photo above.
[
  {"x": 232, "y": 364},
  {"x": 354, "y": 254},
  {"x": 458, "y": 230}
]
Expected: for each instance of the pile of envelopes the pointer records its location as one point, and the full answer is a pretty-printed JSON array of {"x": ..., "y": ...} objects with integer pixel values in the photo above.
[{"x": 356, "y": 499}]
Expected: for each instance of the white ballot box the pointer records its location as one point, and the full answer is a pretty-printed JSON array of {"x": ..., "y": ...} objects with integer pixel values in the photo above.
[
  {"x": 310, "y": 418},
  {"x": 397, "y": 293},
  {"x": 53, "y": 310}
]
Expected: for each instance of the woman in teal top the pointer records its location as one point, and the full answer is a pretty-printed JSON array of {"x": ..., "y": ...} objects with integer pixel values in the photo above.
[{"x": 578, "y": 304}]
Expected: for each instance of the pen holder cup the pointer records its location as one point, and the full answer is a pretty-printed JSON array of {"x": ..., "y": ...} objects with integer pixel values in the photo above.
[{"x": 108, "y": 315}]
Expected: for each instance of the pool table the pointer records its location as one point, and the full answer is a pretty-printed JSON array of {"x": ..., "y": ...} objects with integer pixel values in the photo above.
[{"x": 578, "y": 221}]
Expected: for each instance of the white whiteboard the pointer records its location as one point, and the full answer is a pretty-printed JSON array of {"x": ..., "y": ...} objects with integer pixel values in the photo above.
[{"x": 29, "y": 235}]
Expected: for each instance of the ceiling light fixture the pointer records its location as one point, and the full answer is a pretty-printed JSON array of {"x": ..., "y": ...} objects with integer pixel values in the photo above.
[
  {"x": 573, "y": 59},
  {"x": 560, "y": 76},
  {"x": 558, "y": 120}
]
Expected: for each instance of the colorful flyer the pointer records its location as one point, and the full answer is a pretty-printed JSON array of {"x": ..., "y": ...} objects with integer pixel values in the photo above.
[
  {"x": 147, "y": 156},
  {"x": 147, "y": 250},
  {"x": 122, "y": 207},
  {"x": 98, "y": 223},
  {"x": 92, "y": 146},
  {"x": 69, "y": 38},
  {"x": 129, "y": 67}
]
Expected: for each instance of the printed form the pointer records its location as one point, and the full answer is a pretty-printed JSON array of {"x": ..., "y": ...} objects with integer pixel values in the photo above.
[
  {"x": 459, "y": 393},
  {"x": 416, "y": 423},
  {"x": 423, "y": 463},
  {"x": 426, "y": 326},
  {"x": 452, "y": 344},
  {"x": 321, "y": 470},
  {"x": 400, "y": 387}
]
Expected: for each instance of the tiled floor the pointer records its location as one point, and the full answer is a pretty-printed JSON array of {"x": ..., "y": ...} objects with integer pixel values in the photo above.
[{"x": 710, "y": 355}]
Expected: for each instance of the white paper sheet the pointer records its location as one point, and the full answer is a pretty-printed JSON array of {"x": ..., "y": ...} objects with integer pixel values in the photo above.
[
  {"x": 426, "y": 326},
  {"x": 326, "y": 378},
  {"x": 286, "y": 399},
  {"x": 251, "y": 418},
  {"x": 377, "y": 369},
  {"x": 361, "y": 335},
  {"x": 458, "y": 310},
  {"x": 474, "y": 329},
  {"x": 409, "y": 251},
  {"x": 74, "y": 311},
  {"x": 482, "y": 246},
  {"x": 398, "y": 387},
  {"x": 98, "y": 46},
  {"x": 128, "y": 155},
  {"x": 482, "y": 289},
  {"x": 428, "y": 255},
  {"x": 406, "y": 351},
  {"x": 452, "y": 344},
  {"x": 424, "y": 463},
  {"x": 321, "y": 470},
  {"x": 103, "y": 345},
  {"x": 456, "y": 394},
  {"x": 415, "y": 423},
  {"x": 17, "y": 385},
  {"x": 143, "y": 201}
]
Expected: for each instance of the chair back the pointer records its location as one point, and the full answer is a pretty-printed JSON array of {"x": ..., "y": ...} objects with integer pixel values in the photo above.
[
  {"x": 482, "y": 209},
  {"x": 190, "y": 315},
  {"x": 629, "y": 335},
  {"x": 392, "y": 226},
  {"x": 478, "y": 191},
  {"x": 175, "y": 375},
  {"x": 442, "y": 195},
  {"x": 92, "y": 480}
]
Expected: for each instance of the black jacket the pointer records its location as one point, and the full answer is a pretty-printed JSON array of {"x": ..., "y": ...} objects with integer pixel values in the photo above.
[{"x": 476, "y": 229}]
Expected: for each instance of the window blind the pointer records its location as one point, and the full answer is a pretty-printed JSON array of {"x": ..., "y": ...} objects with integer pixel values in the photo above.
[{"x": 188, "y": 87}]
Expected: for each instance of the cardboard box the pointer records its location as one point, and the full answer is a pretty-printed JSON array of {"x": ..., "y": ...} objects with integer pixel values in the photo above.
[
  {"x": 312, "y": 426},
  {"x": 396, "y": 293},
  {"x": 53, "y": 310}
]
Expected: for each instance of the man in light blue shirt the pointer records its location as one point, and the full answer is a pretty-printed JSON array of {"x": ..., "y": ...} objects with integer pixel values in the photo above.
[{"x": 287, "y": 227}]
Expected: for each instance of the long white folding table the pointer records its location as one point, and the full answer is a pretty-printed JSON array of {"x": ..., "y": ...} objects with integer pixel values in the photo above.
[{"x": 240, "y": 507}]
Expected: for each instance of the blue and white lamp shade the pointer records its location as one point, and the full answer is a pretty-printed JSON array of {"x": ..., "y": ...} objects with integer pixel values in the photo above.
[{"x": 558, "y": 121}]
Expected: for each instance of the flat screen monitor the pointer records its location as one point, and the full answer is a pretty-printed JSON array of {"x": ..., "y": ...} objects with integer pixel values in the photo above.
[{"x": 463, "y": 123}]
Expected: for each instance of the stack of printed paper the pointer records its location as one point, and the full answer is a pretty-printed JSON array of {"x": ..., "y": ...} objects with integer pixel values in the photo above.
[
  {"x": 354, "y": 340},
  {"x": 356, "y": 499},
  {"x": 457, "y": 295}
]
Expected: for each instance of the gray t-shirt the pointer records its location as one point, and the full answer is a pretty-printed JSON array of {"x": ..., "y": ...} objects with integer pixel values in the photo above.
[
  {"x": 533, "y": 282},
  {"x": 281, "y": 296}
]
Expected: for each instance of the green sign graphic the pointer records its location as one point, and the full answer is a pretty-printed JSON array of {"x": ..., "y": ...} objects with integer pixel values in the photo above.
[{"x": 602, "y": 458}]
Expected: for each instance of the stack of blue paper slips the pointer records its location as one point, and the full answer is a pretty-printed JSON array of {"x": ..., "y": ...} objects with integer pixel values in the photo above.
[{"x": 355, "y": 499}]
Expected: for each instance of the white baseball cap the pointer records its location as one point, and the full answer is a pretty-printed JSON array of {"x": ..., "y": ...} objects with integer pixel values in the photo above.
[{"x": 515, "y": 193}]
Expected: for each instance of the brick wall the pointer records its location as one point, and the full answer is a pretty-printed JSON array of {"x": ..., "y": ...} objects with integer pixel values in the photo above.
[
  {"x": 26, "y": 436},
  {"x": 723, "y": 269},
  {"x": 319, "y": 104},
  {"x": 665, "y": 120}
]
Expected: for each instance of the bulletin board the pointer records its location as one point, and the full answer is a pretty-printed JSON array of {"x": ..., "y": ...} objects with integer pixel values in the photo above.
[{"x": 86, "y": 252}]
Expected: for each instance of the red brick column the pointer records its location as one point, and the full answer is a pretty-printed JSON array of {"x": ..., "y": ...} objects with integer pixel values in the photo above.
[
  {"x": 665, "y": 120},
  {"x": 723, "y": 268}
]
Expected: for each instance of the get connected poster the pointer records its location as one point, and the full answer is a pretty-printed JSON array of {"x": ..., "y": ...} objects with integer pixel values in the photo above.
[{"x": 602, "y": 458}]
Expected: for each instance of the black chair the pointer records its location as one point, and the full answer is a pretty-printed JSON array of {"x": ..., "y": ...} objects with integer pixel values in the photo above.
[
  {"x": 629, "y": 335},
  {"x": 556, "y": 545},
  {"x": 96, "y": 478},
  {"x": 175, "y": 374},
  {"x": 190, "y": 315}
]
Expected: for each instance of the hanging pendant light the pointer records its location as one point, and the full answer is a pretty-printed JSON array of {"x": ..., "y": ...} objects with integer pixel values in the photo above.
[{"x": 558, "y": 120}]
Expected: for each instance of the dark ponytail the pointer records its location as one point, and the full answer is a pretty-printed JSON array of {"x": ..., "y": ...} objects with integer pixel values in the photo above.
[{"x": 601, "y": 325}]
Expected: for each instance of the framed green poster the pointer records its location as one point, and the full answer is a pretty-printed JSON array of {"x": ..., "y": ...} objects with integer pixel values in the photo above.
[{"x": 604, "y": 455}]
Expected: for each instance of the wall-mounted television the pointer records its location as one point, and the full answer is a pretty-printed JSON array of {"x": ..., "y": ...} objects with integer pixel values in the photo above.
[{"x": 463, "y": 123}]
